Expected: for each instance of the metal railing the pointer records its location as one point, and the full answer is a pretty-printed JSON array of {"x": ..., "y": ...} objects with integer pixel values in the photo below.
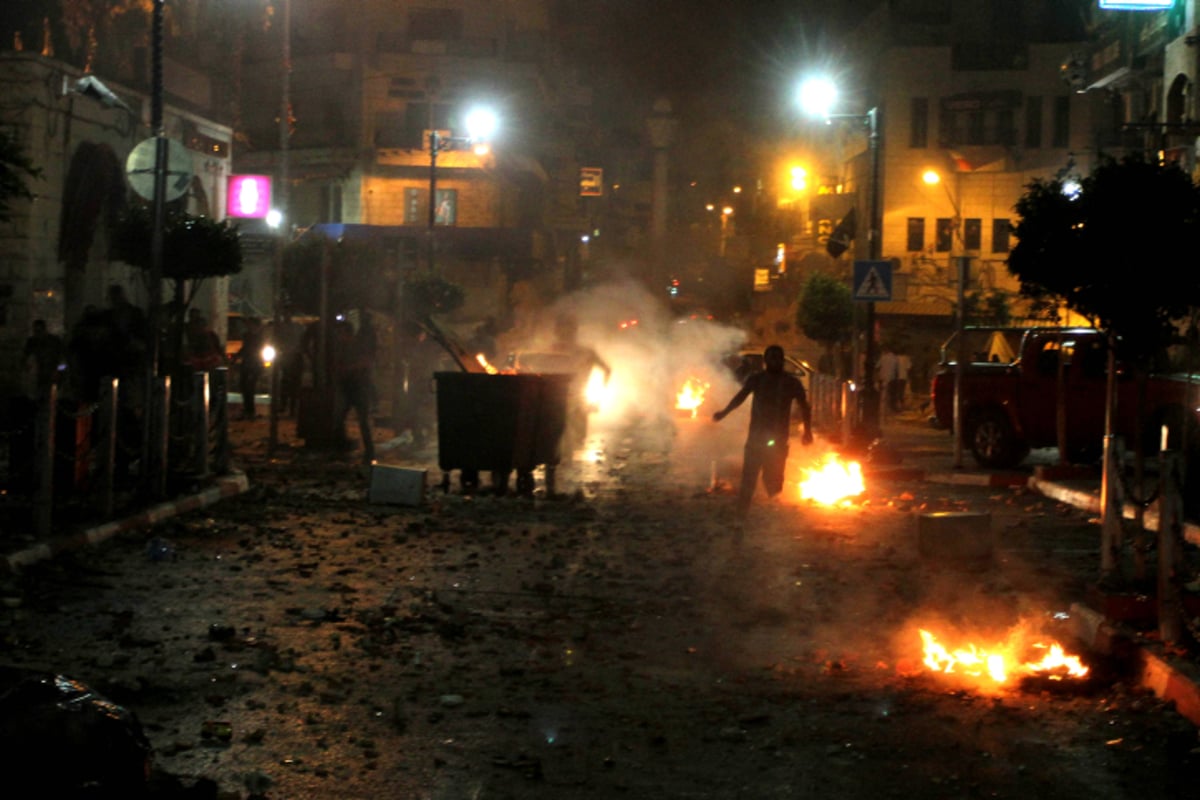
[{"x": 74, "y": 461}]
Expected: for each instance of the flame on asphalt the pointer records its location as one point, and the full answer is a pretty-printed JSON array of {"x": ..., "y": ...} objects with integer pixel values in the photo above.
[
  {"x": 691, "y": 396},
  {"x": 997, "y": 665},
  {"x": 596, "y": 392},
  {"x": 835, "y": 481}
]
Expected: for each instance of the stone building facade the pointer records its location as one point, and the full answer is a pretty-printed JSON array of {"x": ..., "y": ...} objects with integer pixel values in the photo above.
[{"x": 54, "y": 252}]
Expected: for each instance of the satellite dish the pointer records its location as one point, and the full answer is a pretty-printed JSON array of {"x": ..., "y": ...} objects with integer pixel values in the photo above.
[{"x": 139, "y": 166}]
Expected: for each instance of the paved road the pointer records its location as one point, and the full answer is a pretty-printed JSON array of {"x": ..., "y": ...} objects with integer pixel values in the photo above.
[{"x": 628, "y": 639}]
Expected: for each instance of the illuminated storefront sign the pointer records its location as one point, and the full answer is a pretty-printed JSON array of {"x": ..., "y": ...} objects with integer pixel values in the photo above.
[
  {"x": 1136, "y": 5},
  {"x": 249, "y": 196}
]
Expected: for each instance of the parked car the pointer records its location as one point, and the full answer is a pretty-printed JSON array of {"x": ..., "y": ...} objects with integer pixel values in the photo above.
[{"x": 1008, "y": 408}]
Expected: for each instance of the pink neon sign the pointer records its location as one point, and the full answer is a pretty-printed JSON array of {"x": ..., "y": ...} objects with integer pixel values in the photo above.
[{"x": 249, "y": 196}]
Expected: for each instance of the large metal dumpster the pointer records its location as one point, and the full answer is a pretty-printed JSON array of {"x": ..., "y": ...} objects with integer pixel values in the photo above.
[{"x": 498, "y": 423}]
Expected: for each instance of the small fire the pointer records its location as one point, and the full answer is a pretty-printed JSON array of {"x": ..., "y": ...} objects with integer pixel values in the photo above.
[
  {"x": 691, "y": 396},
  {"x": 1000, "y": 663},
  {"x": 596, "y": 392},
  {"x": 487, "y": 367},
  {"x": 1056, "y": 664},
  {"x": 833, "y": 482}
]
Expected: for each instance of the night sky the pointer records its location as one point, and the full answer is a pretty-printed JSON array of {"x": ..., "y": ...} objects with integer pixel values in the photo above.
[{"x": 716, "y": 57}]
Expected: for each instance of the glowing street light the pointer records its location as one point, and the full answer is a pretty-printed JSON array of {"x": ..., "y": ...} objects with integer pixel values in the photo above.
[
  {"x": 799, "y": 179},
  {"x": 817, "y": 97},
  {"x": 931, "y": 177}
]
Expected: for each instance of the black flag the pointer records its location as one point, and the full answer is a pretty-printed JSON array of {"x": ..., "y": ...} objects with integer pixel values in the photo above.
[{"x": 843, "y": 234}]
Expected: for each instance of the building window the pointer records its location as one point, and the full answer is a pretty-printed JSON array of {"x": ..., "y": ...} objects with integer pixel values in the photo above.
[
  {"x": 978, "y": 118},
  {"x": 1033, "y": 122},
  {"x": 391, "y": 130},
  {"x": 418, "y": 120},
  {"x": 1006, "y": 127},
  {"x": 975, "y": 128},
  {"x": 972, "y": 234},
  {"x": 916, "y": 234},
  {"x": 944, "y": 235},
  {"x": 1000, "y": 234},
  {"x": 414, "y": 206},
  {"x": 1062, "y": 122},
  {"x": 447, "y": 207},
  {"x": 918, "y": 135}
]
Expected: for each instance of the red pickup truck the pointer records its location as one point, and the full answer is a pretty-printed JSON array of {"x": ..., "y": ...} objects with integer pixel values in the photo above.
[{"x": 1009, "y": 401}]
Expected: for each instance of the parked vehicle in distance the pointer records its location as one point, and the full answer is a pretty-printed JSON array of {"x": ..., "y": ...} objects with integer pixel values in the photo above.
[
  {"x": 750, "y": 359},
  {"x": 1010, "y": 407}
]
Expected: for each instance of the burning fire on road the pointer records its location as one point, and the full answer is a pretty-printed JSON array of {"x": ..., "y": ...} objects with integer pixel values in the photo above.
[
  {"x": 691, "y": 396},
  {"x": 596, "y": 392},
  {"x": 834, "y": 482},
  {"x": 1003, "y": 665}
]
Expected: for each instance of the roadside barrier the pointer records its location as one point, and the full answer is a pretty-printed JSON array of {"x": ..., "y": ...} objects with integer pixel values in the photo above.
[{"x": 79, "y": 461}]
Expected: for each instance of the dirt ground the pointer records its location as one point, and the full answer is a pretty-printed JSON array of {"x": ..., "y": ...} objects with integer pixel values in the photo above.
[{"x": 628, "y": 639}]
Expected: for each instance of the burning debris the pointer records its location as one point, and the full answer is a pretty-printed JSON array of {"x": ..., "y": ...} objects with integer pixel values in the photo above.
[
  {"x": 691, "y": 396},
  {"x": 487, "y": 366},
  {"x": 833, "y": 482},
  {"x": 1004, "y": 664},
  {"x": 596, "y": 392}
]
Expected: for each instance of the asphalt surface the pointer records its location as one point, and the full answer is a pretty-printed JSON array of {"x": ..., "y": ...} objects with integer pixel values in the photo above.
[{"x": 286, "y": 637}]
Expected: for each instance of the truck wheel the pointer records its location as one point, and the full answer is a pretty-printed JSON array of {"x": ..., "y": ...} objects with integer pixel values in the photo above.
[{"x": 992, "y": 440}]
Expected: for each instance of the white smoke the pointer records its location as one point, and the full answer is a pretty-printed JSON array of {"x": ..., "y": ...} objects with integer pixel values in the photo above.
[{"x": 651, "y": 353}]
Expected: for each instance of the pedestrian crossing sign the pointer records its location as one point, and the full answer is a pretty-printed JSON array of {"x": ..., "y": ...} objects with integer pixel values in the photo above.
[{"x": 872, "y": 280}]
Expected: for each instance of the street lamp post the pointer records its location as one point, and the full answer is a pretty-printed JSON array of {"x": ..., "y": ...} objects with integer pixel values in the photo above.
[
  {"x": 817, "y": 96},
  {"x": 153, "y": 473},
  {"x": 285, "y": 113},
  {"x": 481, "y": 125},
  {"x": 960, "y": 318}
]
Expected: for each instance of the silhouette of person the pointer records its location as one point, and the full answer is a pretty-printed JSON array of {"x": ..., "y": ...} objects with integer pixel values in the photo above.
[
  {"x": 353, "y": 359},
  {"x": 129, "y": 333},
  {"x": 44, "y": 354},
  {"x": 250, "y": 365},
  {"x": 766, "y": 449},
  {"x": 202, "y": 349},
  {"x": 289, "y": 341}
]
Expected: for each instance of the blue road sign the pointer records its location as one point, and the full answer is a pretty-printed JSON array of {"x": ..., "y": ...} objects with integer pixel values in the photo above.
[{"x": 872, "y": 280}]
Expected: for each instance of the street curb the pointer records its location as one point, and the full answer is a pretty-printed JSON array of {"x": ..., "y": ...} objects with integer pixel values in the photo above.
[
  {"x": 1160, "y": 676},
  {"x": 1090, "y": 501},
  {"x": 225, "y": 486},
  {"x": 977, "y": 479},
  {"x": 953, "y": 478}
]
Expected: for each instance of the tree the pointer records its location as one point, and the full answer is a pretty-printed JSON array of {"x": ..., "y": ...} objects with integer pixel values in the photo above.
[
  {"x": 987, "y": 308},
  {"x": 194, "y": 248},
  {"x": 15, "y": 170},
  {"x": 1116, "y": 251},
  {"x": 825, "y": 314}
]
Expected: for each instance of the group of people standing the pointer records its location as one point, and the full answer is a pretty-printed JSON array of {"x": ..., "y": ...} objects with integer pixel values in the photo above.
[{"x": 892, "y": 373}]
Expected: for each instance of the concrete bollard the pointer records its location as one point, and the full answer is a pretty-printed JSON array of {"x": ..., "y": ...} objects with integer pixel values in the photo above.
[{"x": 955, "y": 536}]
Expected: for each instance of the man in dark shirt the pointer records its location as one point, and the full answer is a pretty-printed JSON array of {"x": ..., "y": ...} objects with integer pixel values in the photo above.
[
  {"x": 770, "y": 423},
  {"x": 44, "y": 356}
]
